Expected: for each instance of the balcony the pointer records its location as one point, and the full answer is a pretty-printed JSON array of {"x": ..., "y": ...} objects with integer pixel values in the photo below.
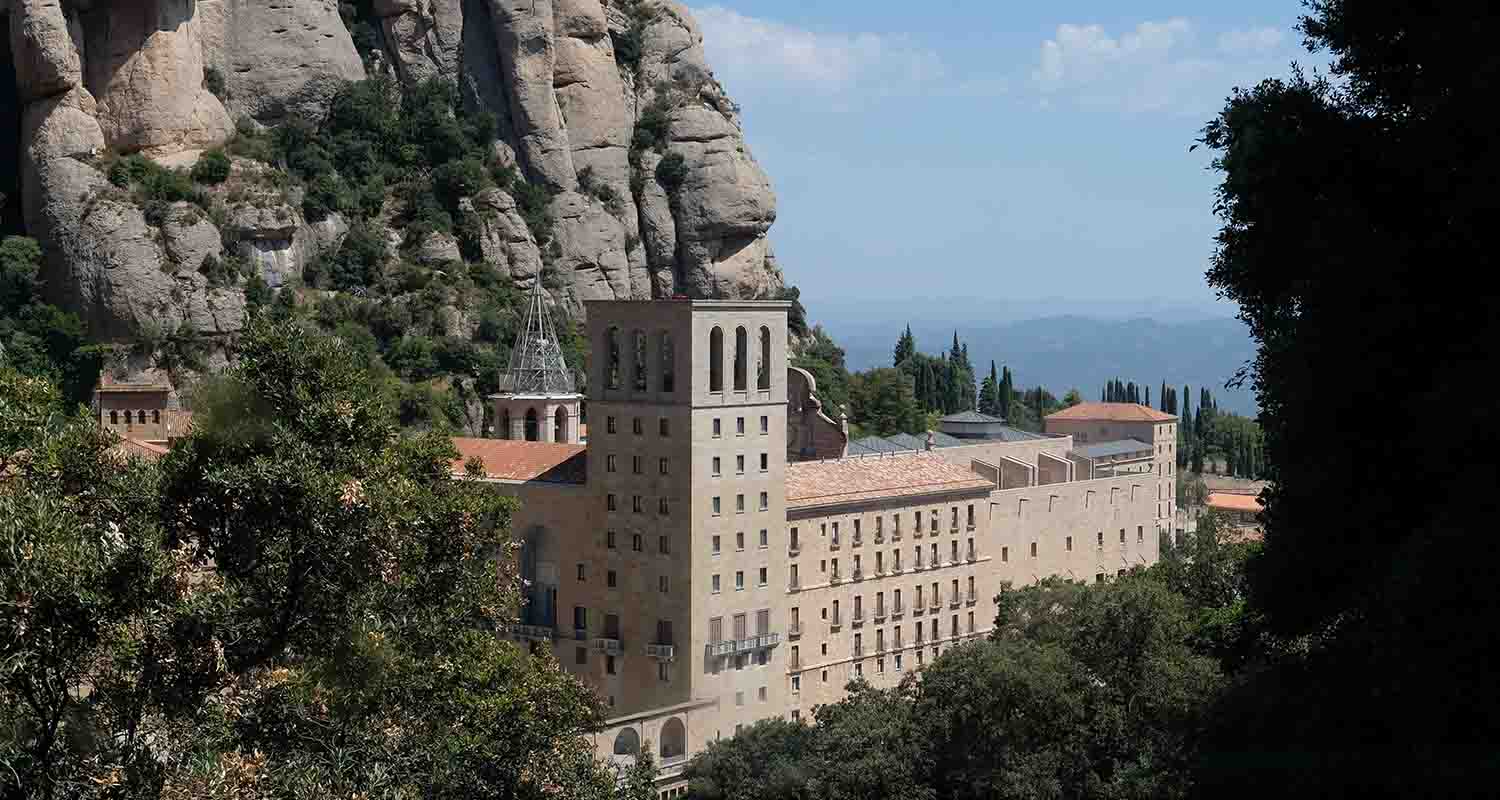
[
  {"x": 533, "y": 633},
  {"x": 879, "y": 614},
  {"x": 897, "y": 645},
  {"x": 835, "y": 577},
  {"x": 718, "y": 649},
  {"x": 972, "y": 597},
  {"x": 879, "y": 646},
  {"x": 661, "y": 652},
  {"x": 954, "y": 602},
  {"x": 919, "y": 640},
  {"x": 896, "y": 536},
  {"x": 937, "y": 604},
  {"x": 917, "y": 608},
  {"x": 879, "y": 537},
  {"x": 859, "y": 617},
  {"x": 835, "y": 623},
  {"x": 897, "y": 609},
  {"x": 794, "y": 550},
  {"x": 916, "y": 534},
  {"x": 795, "y": 631},
  {"x": 607, "y": 646},
  {"x": 729, "y": 647},
  {"x": 834, "y": 544},
  {"x": 918, "y": 565},
  {"x": 793, "y": 584},
  {"x": 795, "y": 664},
  {"x": 859, "y": 573},
  {"x": 857, "y": 541},
  {"x": 972, "y": 556}
]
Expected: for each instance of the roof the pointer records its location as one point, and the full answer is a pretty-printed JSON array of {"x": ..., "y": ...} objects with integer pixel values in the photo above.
[
  {"x": 1227, "y": 501},
  {"x": 851, "y": 480},
  {"x": 149, "y": 451},
  {"x": 1107, "y": 449},
  {"x": 970, "y": 417},
  {"x": 875, "y": 444},
  {"x": 512, "y": 460},
  {"x": 1112, "y": 412}
]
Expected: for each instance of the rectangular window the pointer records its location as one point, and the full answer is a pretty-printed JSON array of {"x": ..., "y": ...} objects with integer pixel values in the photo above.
[
  {"x": 765, "y": 501},
  {"x": 637, "y": 427},
  {"x": 664, "y": 427},
  {"x": 716, "y": 465},
  {"x": 1068, "y": 544},
  {"x": 739, "y": 541},
  {"x": 716, "y": 544},
  {"x": 739, "y": 627},
  {"x": 739, "y": 580},
  {"x": 739, "y": 465},
  {"x": 609, "y": 463},
  {"x": 610, "y": 580},
  {"x": 661, "y": 584},
  {"x": 739, "y": 426},
  {"x": 609, "y": 502},
  {"x": 663, "y": 545},
  {"x": 1004, "y": 555},
  {"x": 662, "y": 464},
  {"x": 765, "y": 539},
  {"x": 763, "y": 622},
  {"x": 1140, "y": 534},
  {"x": 934, "y": 527},
  {"x": 609, "y": 424},
  {"x": 716, "y": 509},
  {"x": 716, "y": 428},
  {"x": 1101, "y": 540},
  {"x": 765, "y": 425},
  {"x": 715, "y": 585},
  {"x": 1033, "y": 549},
  {"x": 609, "y": 665},
  {"x": 580, "y": 572},
  {"x": 636, "y": 504},
  {"x": 635, "y": 464},
  {"x": 762, "y": 576},
  {"x": 635, "y": 542},
  {"x": 971, "y": 516},
  {"x": 795, "y": 545},
  {"x": 1122, "y": 536},
  {"x": 764, "y": 462},
  {"x": 580, "y": 656},
  {"x": 662, "y": 507},
  {"x": 739, "y": 504},
  {"x": 716, "y": 629},
  {"x": 609, "y": 539},
  {"x": 761, "y": 694}
]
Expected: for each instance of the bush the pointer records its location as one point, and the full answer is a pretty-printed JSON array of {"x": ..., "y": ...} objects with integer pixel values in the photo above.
[
  {"x": 654, "y": 125},
  {"x": 213, "y": 81},
  {"x": 532, "y": 200},
  {"x": 671, "y": 172},
  {"x": 212, "y": 168}
]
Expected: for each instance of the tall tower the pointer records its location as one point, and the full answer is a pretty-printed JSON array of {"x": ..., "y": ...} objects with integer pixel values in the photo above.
[
  {"x": 687, "y": 460},
  {"x": 538, "y": 399}
]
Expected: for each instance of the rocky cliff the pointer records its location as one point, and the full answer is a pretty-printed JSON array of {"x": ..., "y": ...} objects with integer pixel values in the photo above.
[{"x": 607, "y": 105}]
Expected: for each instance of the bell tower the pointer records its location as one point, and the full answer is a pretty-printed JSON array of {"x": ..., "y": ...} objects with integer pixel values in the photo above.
[{"x": 538, "y": 399}]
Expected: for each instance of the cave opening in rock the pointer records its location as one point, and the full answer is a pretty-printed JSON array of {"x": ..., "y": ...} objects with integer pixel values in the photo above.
[{"x": 10, "y": 138}]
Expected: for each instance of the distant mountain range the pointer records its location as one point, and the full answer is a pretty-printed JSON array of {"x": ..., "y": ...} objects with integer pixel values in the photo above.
[{"x": 1077, "y": 352}]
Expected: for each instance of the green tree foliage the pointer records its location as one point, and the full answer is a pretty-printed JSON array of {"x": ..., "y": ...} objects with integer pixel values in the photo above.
[
  {"x": 296, "y": 602},
  {"x": 40, "y": 339},
  {"x": 866, "y": 746},
  {"x": 765, "y": 761},
  {"x": 882, "y": 402},
  {"x": 1337, "y": 199},
  {"x": 212, "y": 168},
  {"x": 824, "y": 359}
]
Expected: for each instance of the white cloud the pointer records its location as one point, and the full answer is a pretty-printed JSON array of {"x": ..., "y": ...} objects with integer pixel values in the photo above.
[
  {"x": 757, "y": 53},
  {"x": 1157, "y": 66}
]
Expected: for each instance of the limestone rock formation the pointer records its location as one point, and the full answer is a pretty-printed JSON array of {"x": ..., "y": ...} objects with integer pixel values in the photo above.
[{"x": 570, "y": 84}]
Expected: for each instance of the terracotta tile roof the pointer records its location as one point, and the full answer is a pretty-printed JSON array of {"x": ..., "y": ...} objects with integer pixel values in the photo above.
[
  {"x": 511, "y": 460},
  {"x": 1112, "y": 412},
  {"x": 849, "y": 480},
  {"x": 135, "y": 447},
  {"x": 108, "y": 382},
  {"x": 1227, "y": 501}
]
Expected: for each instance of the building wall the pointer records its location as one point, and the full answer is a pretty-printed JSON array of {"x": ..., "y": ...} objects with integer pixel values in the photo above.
[
  {"x": 1162, "y": 436},
  {"x": 1085, "y": 511},
  {"x": 128, "y": 407}
]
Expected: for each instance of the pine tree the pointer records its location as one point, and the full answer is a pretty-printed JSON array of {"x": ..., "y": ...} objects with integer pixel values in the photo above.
[
  {"x": 1148, "y": 396},
  {"x": 906, "y": 347}
]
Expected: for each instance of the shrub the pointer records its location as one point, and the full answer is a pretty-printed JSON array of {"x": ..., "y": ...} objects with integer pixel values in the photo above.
[
  {"x": 671, "y": 172},
  {"x": 459, "y": 179},
  {"x": 532, "y": 200},
  {"x": 212, "y": 168},
  {"x": 213, "y": 81},
  {"x": 653, "y": 126}
]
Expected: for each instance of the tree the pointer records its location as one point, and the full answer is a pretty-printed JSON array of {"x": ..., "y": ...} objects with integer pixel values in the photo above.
[
  {"x": 293, "y": 577},
  {"x": 989, "y": 394},
  {"x": 1374, "y": 179},
  {"x": 824, "y": 359},
  {"x": 766, "y": 761},
  {"x": 906, "y": 347},
  {"x": 882, "y": 402},
  {"x": 867, "y": 746}
]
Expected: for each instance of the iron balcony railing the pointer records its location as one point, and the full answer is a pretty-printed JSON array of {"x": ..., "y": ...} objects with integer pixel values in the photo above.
[
  {"x": 937, "y": 603},
  {"x": 954, "y": 602},
  {"x": 729, "y": 647},
  {"x": 794, "y": 550},
  {"x": 972, "y": 597},
  {"x": 794, "y": 631},
  {"x": 835, "y": 622},
  {"x": 607, "y": 646},
  {"x": 896, "y": 609},
  {"x": 662, "y": 652},
  {"x": 834, "y": 543},
  {"x": 879, "y": 613},
  {"x": 538, "y": 633},
  {"x": 859, "y": 616}
]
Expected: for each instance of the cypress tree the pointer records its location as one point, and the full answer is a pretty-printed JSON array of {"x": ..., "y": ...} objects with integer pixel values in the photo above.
[{"x": 906, "y": 347}]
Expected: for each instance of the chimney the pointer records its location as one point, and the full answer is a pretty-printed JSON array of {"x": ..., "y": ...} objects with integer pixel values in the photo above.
[{"x": 931, "y": 440}]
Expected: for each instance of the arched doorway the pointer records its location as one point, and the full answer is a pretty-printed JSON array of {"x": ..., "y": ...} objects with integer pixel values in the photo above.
[
  {"x": 560, "y": 425},
  {"x": 673, "y": 738},
  {"x": 533, "y": 429},
  {"x": 628, "y": 743}
]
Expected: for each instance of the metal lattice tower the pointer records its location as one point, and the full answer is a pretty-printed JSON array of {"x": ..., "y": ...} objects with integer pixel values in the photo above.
[{"x": 536, "y": 361}]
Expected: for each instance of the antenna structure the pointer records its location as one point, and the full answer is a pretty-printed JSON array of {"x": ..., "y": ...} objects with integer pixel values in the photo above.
[{"x": 537, "y": 366}]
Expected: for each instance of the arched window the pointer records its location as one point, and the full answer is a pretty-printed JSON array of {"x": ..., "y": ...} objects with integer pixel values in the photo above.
[
  {"x": 668, "y": 364},
  {"x": 673, "y": 738},
  {"x": 140, "y": 416},
  {"x": 155, "y": 417},
  {"x": 560, "y": 425},
  {"x": 533, "y": 432},
  {"x": 716, "y": 360},
  {"x": 505, "y": 424},
  {"x": 741, "y": 358},
  {"x": 763, "y": 368},
  {"x": 612, "y": 349},
  {"x": 114, "y": 418},
  {"x": 638, "y": 339},
  {"x": 628, "y": 743}
]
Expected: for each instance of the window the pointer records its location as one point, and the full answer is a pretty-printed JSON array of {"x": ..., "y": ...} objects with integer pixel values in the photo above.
[
  {"x": 609, "y": 539},
  {"x": 762, "y": 576},
  {"x": 636, "y": 504},
  {"x": 715, "y": 583},
  {"x": 953, "y": 519},
  {"x": 635, "y": 542},
  {"x": 663, "y": 427},
  {"x": 741, "y": 358},
  {"x": 1033, "y": 549},
  {"x": 580, "y": 572},
  {"x": 739, "y": 504},
  {"x": 765, "y": 501},
  {"x": 637, "y": 427},
  {"x": 580, "y": 656},
  {"x": 716, "y": 506},
  {"x": 796, "y": 688},
  {"x": 609, "y": 667},
  {"x": 739, "y": 700},
  {"x": 739, "y": 541},
  {"x": 1101, "y": 540},
  {"x": 609, "y": 424},
  {"x": 1140, "y": 534},
  {"x": 765, "y": 425},
  {"x": 739, "y": 465},
  {"x": 661, "y": 584},
  {"x": 609, "y": 463},
  {"x": 663, "y": 669},
  {"x": 716, "y": 544},
  {"x": 610, "y": 580},
  {"x": 114, "y": 418},
  {"x": 155, "y": 417},
  {"x": 662, "y": 507},
  {"x": 1099, "y": 577},
  {"x": 1068, "y": 544},
  {"x": 1122, "y": 536},
  {"x": 763, "y": 363},
  {"x": 716, "y": 466},
  {"x": 716, "y": 428},
  {"x": 716, "y": 360},
  {"x": 761, "y": 695},
  {"x": 638, "y": 365},
  {"x": 716, "y": 629},
  {"x": 663, "y": 545},
  {"x": 612, "y": 348},
  {"x": 668, "y": 368},
  {"x": 609, "y": 501},
  {"x": 765, "y": 539},
  {"x": 954, "y": 553},
  {"x": 795, "y": 544},
  {"x": 635, "y": 464},
  {"x": 739, "y": 580},
  {"x": 739, "y": 426},
  {"x": 971, "y": 516},
  {"x": 764, "y": 462}
]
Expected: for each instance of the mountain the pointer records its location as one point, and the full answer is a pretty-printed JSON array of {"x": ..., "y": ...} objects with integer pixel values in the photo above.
[
  {"x": 583, "y": 142},
  {"x": 1078, "y": 352}
]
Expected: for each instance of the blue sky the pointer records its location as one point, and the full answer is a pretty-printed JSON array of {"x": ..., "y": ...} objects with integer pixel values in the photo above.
[{"x": 993, "y": 157}]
